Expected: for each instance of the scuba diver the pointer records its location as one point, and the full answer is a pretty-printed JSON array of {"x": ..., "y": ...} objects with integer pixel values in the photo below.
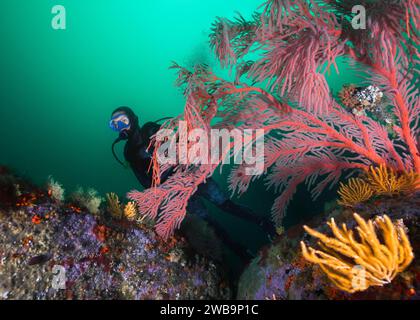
[{"x": 138, "y": 155}]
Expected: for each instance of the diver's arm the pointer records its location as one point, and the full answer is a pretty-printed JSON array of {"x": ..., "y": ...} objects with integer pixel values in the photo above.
[
  {"x": 141, "y": 152},
  {"x": 151, "y": 128},
  {"x": 144, "y": 178}
]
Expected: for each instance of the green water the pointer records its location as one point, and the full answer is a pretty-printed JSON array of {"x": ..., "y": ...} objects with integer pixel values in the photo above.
[{"x": 58, "y": 87}]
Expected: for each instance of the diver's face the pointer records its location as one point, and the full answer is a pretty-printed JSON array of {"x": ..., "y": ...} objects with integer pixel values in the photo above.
[{"x": 120, "y": 122}]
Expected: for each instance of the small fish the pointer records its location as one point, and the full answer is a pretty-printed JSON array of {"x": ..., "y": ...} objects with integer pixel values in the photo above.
[{"x": 41, "y": 259}]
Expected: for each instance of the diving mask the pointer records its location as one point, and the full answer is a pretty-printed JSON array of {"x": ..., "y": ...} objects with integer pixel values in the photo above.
[{"x": 120, "y": 122}]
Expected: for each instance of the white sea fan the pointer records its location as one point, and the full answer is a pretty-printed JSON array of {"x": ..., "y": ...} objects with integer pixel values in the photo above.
[
  {"x": 55, "y": 189},
  {"x": 89, "y": 199}
]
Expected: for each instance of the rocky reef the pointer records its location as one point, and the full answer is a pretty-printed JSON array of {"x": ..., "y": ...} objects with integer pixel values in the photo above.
[
  {"x": 52, "y": 249},
  {"x": 280, "y": 272}
]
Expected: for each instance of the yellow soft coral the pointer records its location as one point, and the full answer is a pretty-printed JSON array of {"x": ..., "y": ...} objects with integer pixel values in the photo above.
[
  {"x": 119, "y": 211},
  {"x": 130, "y": 211},
  {"x": 355, "y": 265},
  {"x": 355, "y": 191},
  {"x": 387, "y": 181},
  {"x": 378, "y": 181},
  {"x": 114, "y": 206}
]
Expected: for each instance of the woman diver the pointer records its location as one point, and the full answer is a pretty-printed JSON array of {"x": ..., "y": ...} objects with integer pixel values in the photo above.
[{"x": 138, "y": 155}]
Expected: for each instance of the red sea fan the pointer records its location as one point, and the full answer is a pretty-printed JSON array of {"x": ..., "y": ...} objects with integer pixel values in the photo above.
[
  {"x": 211, "y": 103},
  {"x": 296, "y": 39},
  {"x": 168, "y": 203},
  {"x": 293, "y": 42},
  {"x": 316, "y": 148}
]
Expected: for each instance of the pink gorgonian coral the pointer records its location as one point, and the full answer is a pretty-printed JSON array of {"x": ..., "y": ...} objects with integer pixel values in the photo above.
[{"x": 285, "y": 51}]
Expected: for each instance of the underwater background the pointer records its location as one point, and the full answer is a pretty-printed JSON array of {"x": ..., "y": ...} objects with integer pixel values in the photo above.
[{"x": 59, "y": 87}]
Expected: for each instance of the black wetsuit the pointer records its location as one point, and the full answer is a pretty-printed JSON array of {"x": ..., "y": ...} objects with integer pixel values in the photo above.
[{"x": 139, "y": 157}]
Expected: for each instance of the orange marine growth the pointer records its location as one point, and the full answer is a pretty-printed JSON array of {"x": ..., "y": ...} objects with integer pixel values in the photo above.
[{"x": 355, "y": 263}]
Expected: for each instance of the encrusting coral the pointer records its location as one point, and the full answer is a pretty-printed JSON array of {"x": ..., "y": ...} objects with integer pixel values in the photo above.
[
  {"x": 347, "y": 96},
  {"x": 100, "y": 260},
  {"x": 356, "y": 264},
  {"x": 360, "y": 100}
]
